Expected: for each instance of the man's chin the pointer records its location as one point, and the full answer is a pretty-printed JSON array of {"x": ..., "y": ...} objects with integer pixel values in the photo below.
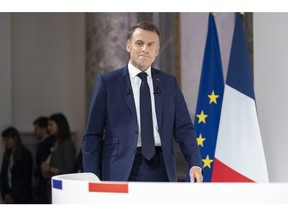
[{"x": 144, "y": 64}]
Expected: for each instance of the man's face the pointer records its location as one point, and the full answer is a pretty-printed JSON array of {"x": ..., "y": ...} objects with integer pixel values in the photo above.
[{"x": 143, "y": 48}]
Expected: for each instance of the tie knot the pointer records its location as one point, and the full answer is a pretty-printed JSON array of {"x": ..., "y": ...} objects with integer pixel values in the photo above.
[{"x": 143, "y": 76}]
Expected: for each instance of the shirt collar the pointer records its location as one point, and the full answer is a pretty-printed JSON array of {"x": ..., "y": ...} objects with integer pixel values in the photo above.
[{"x": 133, "y": 71}]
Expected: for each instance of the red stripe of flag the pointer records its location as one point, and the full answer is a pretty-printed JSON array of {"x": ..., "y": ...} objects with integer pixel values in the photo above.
[
  {"x": 223, "y": 173},
  {"x": 108, "y": 187}
]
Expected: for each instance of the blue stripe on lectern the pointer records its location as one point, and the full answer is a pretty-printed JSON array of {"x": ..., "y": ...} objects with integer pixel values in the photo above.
[{"x": 57, "y": 184}]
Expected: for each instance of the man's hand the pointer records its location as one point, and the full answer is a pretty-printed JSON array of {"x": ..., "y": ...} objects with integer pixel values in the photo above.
[{"x": 196, "y": 173}]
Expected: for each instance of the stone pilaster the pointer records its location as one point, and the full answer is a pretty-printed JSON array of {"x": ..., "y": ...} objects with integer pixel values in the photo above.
[{"x": 106, "y": 35}]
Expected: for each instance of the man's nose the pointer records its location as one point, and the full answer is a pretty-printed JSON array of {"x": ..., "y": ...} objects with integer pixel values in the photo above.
[{"x": 144, "y": 48}]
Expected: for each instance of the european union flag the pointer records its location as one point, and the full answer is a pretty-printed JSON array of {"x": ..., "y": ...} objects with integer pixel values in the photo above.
[{"x": 209, "y": 102}]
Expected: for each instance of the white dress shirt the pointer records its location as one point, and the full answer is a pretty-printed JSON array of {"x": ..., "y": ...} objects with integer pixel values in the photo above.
[{"x": 135, "y": 83}]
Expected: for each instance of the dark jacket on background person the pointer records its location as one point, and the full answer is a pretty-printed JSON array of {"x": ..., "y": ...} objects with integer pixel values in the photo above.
[
  {"x": 21, "y": 190},
  {"x": 42, "y": 153},
  {"x": 63, "y": 156}
]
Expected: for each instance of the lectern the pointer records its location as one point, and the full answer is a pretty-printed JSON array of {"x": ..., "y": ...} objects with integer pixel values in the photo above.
[{"x": 86, "y": 188}]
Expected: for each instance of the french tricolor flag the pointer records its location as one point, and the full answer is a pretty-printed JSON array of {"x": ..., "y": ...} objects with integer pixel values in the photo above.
[{"x": 239, "y": 154}]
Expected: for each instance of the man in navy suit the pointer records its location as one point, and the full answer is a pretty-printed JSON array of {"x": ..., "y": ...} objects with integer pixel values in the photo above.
[{"x": 112, "y": 145}]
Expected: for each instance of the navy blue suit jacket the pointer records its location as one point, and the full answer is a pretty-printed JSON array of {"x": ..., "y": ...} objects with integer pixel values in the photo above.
[{"x": 110, "y": 140}]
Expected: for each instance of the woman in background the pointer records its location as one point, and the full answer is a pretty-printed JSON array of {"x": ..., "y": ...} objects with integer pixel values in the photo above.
[
  {"x": 62, "y": 153},
  {"x": 16, "y": 172}
]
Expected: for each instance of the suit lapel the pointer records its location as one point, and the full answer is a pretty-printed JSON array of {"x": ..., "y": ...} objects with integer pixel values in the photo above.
[
  {"x": 157, "y": 84},
  {"x": 125, "y": 83}
]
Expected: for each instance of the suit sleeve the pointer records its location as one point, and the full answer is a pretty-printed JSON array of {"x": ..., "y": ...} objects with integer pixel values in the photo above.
[
  {"x": 93, "y": 138},
  {"x": 184, "y": 131}
]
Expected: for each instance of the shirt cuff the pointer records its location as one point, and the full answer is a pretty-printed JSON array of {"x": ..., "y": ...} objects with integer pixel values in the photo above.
[{"x": 197, "y": 167}]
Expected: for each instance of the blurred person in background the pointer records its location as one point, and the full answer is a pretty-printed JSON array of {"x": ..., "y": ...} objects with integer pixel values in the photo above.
[
  {"x": 16, "y": 171},
  {"x": 40, "y": 183},
  {"x": 62, "y": 153}
]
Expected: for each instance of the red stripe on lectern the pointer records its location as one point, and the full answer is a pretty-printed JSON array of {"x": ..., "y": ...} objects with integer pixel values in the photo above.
[
  {"x": 223, "y": 173},
  {"x": 108, "y": 187}
]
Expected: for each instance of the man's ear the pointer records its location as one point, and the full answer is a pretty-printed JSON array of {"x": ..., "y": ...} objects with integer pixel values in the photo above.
[
  {"x": 128, "y": 46},
  {"x": 158, "y": 50}
]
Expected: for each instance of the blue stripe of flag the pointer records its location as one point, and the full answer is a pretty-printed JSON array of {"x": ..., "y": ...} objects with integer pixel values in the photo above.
[{"x": 239, "y": 71}]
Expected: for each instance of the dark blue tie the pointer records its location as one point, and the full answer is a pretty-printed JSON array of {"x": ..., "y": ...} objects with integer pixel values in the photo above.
[{"x": 147, "y": 138}]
